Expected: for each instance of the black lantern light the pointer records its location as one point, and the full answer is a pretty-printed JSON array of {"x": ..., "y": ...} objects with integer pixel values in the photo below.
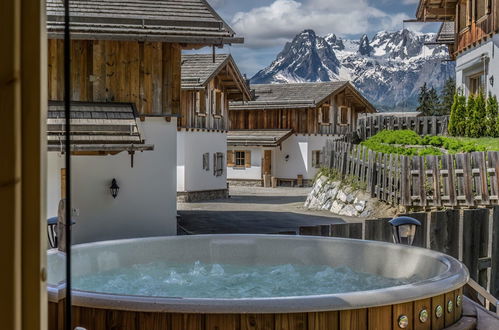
[
  {"x": 114, "y": 188},
  {"x": 404, "y": 229}
]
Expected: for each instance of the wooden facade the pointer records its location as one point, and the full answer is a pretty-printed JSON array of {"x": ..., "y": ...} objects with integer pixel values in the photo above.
[
  {"x": 474, "y": 20},
  {"x": 208, "y": 85},
  {"x": 335, "y": 114},
  {"x": 146, "y": 74}
]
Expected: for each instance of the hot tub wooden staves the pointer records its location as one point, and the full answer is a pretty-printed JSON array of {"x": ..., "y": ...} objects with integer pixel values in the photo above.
[{"x": 381, "y": 318}]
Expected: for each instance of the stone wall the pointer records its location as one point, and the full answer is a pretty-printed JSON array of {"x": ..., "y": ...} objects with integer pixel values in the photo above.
[
  {"x": 334, "y": 196},
  {"x": 198, "y": 196}
]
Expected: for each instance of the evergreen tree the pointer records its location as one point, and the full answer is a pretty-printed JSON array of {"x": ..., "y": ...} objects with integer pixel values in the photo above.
[
  {"x": 428, "y": 101},
  {"x": 477, "y": 123},
  {"x": 470, "y": 108},
  {"x": 447, "y": 97},
  {"x": 457, "y": 121},
  {"x": 492, "y": 116}
]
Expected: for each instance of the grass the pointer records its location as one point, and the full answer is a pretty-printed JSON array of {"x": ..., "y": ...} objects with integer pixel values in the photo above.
[{"x": 491, "y": 144}]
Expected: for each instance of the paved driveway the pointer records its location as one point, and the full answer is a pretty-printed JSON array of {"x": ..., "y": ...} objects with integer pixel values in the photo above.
[{"x": 252, "y": 210}]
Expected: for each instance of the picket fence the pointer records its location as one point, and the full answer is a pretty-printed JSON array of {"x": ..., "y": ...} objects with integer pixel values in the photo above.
[
  {"x": 426, "y": 125},
  {"x": 467, "y": 179}
]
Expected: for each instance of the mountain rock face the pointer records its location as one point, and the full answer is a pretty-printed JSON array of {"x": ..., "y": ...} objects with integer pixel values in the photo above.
[{"x": 388, "y": 69}]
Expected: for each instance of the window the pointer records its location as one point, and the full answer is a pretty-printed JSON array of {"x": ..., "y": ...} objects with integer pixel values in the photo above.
[
  {"x": 240, "y": 158},
  {"x": 316, "y": 158},
  {"x": 218, "y": 164},
  {"x": 463, "y": 16},
  {"x": 206, "y": 161},
  {"x": 477, "y": 84},
  {"x": 325, "y": 115},
  {"x": 481, "y": 8},
  {"x": 344, "y": 115}
]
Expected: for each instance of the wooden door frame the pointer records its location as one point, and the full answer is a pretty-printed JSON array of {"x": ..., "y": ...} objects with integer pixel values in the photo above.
[{"x": 23, "y": 95}]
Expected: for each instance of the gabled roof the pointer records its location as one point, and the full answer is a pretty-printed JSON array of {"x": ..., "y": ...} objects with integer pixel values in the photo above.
[
  {"x": 109, "y": 127},
  {"x": 199, "y": 69},
  {"x": 182, "y": 21},
  {"x": 257, "y": 138},
  {"x": 294, "y": 96}
]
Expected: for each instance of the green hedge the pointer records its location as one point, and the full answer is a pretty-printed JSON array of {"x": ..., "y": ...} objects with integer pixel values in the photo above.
[{"x": 389, "y": 142}]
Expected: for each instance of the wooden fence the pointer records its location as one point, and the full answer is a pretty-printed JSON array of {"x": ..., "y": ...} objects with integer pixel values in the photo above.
[
  {"x": 428, "y": 125},
  {"x": 471, "y": 236},
  {"x": 468, "y": 179}
]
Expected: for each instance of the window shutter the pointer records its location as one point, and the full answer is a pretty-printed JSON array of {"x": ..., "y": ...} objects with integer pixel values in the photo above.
[
  {"x": 230, "y": 158},
  {"x": 213, "y": 102},
  {"x": 202, "y": 101},
  {"x": 197, "y": 101},
  {"x": 247, "y": 159},
  {"x": 314, "y": 158}
]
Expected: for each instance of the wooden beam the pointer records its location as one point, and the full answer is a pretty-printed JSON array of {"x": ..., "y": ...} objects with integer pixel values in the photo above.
[{"x": 23, "y": 90}]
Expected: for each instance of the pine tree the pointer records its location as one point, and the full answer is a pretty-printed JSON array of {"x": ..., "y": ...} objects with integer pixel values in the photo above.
[
  {"x": 477, "y": 123},
  {"x": 428, "y": 101},
  {"x": 457, "y": 116},
  {"x": 447, "y": 97},
  {"x": 470, "y": 108},
  {"x": 492, "y": 116}
]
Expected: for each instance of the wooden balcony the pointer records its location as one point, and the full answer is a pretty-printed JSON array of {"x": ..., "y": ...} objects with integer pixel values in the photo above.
[{"x": 475, "y": 33}]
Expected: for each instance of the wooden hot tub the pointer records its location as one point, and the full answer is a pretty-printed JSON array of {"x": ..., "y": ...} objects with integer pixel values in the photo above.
[{"x": 434, "y": 297}]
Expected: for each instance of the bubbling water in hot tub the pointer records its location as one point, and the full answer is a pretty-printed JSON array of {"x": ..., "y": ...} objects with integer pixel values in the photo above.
[{"x": 205, "y": 280}]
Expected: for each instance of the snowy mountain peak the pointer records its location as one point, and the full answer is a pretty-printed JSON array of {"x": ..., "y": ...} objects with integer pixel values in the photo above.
[
  {"x": 388, "y": 69},
  {"x": 364, "y": 46}
]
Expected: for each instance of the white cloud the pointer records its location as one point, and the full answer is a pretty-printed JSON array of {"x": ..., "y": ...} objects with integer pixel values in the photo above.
[
  {"x": 283, "y": 19},
  {"x": 410, "y": 2}
]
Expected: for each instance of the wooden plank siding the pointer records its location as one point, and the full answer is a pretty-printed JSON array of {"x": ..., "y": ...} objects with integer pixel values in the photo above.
[{"x": 144, "y": 73}]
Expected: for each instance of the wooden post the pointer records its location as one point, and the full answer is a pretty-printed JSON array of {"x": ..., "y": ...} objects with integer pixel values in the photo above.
[{"x": 23, "y": 99}]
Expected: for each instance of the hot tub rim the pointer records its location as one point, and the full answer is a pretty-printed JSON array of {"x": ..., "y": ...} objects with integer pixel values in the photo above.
[{"x": 454, "y": 277}]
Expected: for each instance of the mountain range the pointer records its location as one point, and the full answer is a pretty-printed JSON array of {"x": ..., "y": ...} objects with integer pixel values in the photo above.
[{"x": 388, "y": 69}]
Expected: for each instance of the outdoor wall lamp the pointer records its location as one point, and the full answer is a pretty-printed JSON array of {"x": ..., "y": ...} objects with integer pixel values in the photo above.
[
  {"x": 114, "y": 188},
  {"x": 286, "y": 158},
  {"x": 491, "y": 79},
  {"x": 404, "y": 229}
]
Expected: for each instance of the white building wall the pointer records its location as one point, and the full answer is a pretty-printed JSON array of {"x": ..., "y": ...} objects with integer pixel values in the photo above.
[
  {"x": 298, "y": 147},
  {"x": 190, "y": 149},
  {"x": 146, "y": 202},
  {"x": 469, "y": 63},
  {"x": 251, "y": 173}
]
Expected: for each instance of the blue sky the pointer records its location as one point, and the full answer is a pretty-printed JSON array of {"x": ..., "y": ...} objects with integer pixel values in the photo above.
[{"x": 266, "y": 25}]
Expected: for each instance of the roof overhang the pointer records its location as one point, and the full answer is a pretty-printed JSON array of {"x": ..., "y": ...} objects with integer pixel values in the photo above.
[
  {"x": 257, "y": 138},
  {"x": 436, "y": 10},
  {"x": 96, "y": 127}
]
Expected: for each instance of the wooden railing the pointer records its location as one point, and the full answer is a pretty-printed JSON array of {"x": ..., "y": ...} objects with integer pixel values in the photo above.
[
  {"x": 427, "y": 125},
  {"x": 468, "y": 180}
]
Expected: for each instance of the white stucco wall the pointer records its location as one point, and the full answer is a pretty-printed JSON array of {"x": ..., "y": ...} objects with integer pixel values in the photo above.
[
  {"x": 146, "y": 203},
  {"x": 190, "y": 149},
  {"x": 466, "y": 64},
  {"x": 250, "y": 173},
  {"x": 298, "y": 147}
]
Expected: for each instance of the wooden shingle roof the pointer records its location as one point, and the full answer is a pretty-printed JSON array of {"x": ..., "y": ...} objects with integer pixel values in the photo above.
[
  {"x": 181, "y": 21},
  {"x": 446, "y": 34},
  {"x": 257, "y": 138},
  {"x": 295, "y": 96},
  {"x": 109, "y": 127},
  {"x": 198, "y": 69}
]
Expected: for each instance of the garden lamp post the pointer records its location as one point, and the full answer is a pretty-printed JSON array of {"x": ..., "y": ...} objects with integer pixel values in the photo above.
[{"x": 404, "y": 229}]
